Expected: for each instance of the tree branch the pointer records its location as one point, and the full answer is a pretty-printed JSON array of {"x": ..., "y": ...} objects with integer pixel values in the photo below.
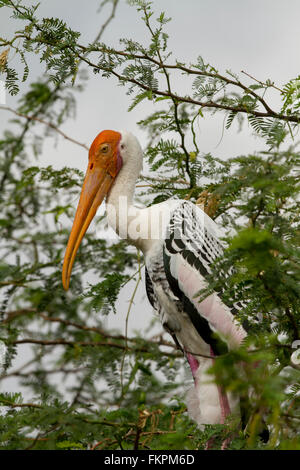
[{"x": 48, "y": 124}]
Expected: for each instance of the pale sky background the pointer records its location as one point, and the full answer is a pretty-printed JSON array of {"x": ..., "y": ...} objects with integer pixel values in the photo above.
[{"x": 258, "y": 36}]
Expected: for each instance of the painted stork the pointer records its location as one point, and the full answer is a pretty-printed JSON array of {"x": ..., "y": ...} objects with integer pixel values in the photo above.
[{"x": 179, "y": 242}]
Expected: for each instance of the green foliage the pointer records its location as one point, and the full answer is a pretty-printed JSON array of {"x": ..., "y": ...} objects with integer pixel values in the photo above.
[
  {"x": 291, "y": 93},
  {"x": 106, "y": 291},
  {"x": 88, "y": 387}
]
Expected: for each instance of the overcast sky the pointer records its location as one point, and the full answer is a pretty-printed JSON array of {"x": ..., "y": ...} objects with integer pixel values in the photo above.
[{"x": 258, "y": 36}]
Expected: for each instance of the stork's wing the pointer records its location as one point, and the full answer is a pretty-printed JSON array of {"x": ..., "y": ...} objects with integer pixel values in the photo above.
[{"x": 190, "y": 247}]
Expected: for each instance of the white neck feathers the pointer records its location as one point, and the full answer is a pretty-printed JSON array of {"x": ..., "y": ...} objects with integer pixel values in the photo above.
[{"x": 120, "y": 209}]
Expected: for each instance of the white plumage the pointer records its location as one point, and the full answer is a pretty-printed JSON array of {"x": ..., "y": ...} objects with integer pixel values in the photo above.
[{"x": 179, "y": 242}]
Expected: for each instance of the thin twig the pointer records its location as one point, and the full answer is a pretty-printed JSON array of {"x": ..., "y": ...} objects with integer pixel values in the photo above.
[
  {"x": 175, "y": 102},
  {"x": 262, "y": 83},
  {"x": 106, "y": 23},
  {"x": 16, "y": 313},
  {"x": 4, "y": 402},
  {"x": 175, "y": 98},
  {"x": 131, "y": 301},
  {"x": 63, "y": 342},
  {"x": 46, "y": 123}
]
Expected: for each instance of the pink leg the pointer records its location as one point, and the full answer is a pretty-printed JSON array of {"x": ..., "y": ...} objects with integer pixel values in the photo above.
[
  {"x": 194, "y": 364},
  {"x": 223, "y": 399},
  {"x": 224, "y": 404}
]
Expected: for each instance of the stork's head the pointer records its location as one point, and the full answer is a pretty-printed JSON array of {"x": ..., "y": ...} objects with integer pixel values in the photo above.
[{"x": 109, "y": 152}]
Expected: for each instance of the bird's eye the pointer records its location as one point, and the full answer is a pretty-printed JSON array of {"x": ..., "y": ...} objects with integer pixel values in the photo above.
[
  {"x": 104, "y": 148},
  {"x": 122, "y": 146}
]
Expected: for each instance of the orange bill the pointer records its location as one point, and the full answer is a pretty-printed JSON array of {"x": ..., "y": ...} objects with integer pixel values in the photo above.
[{"x": 104, "y": 165}]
